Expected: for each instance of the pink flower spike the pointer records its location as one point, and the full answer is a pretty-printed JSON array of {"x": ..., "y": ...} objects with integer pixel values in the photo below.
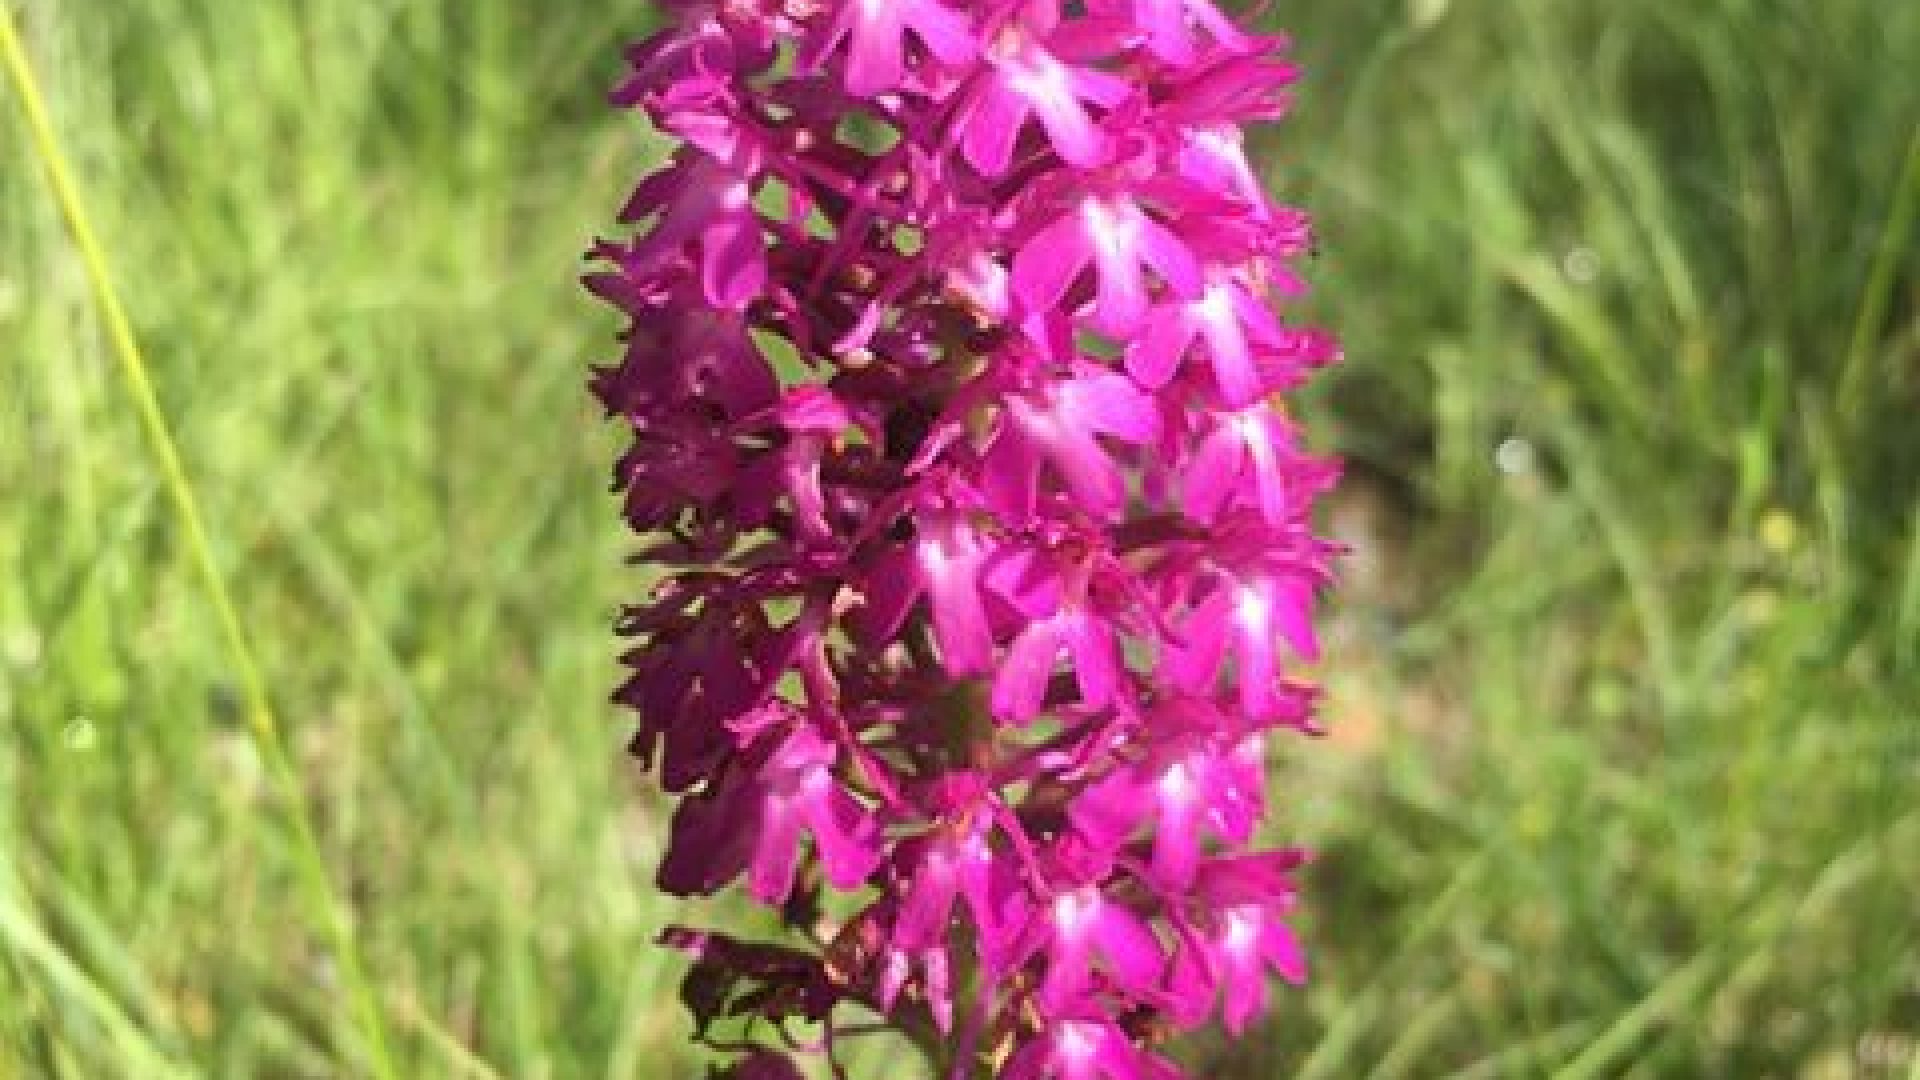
[{"x": 973, "y": 529}]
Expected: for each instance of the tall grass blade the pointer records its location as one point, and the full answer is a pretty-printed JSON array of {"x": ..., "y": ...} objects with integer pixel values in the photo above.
[
  {"x": 153, "y": 421},
  {"x": 1896, "y": 242}
]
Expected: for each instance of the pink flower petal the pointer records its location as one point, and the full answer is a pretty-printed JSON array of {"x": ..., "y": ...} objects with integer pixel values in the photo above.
[
  {"x": 1048, "y": 262},
  {"x": 1020, "y": 686},
  {"x": 1211, "y": 474}
]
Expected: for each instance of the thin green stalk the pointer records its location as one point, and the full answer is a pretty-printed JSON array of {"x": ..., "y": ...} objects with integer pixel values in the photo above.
[
  {"x": 1894, "y": 241},
  {"x": 133, "y": 369}
]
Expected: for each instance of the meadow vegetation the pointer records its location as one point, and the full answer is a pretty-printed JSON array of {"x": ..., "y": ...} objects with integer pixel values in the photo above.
[{"x": 1623, "y": 771}]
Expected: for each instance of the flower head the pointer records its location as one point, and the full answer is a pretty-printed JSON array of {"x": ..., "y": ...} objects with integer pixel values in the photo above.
[{"x": 984, "y": 549}]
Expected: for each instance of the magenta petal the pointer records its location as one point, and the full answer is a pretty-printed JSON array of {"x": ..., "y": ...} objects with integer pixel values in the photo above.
[
  {"x": 1167, "y": 33},
  {"x": 1253, "y": 625},
  {"x": 1176, "y": 838},
  {"x": 1096, "y": 661},
  {"x": 1132, "y": 952},
  {"x": 945, "y": 32},
  {"x": 1256, "y": 317},
  {"x": 802, "y": 477},
  {"x": 1065, "y": 120},
  {"x": 848, "y": 850},
  {"x": 1011, "y": 474},
  {"x": 994, "y": 899},
  {"x": 1227, "y": 348},
  {"x": 1107, "y": 813},
  {"x": 1169, "y": 255},
  {"x": 940, "y": 989},
  {"x": 813, "y": 410},
  {"x": 991, "y": 127},
  {"x": 951, "y": 562},
  {"x": 776, "y": 852},
  {"x": 874, "y": 55},
  {"x": 1113, "y": 405},
  {"x": 1233, "y": 368},
  {"x": 895, "y": 969},
  {"x": 1047, "y": 264},
  {"x": 1245, "y": 941},
  {"x": 1020, "y": 686},
  {"x": 705, "y": 848},
  {"x": 1279, "y": 947},
  {"x": 1074, "y": 919},
  {"x": 1025, "y": 580},
  {"x": 960, "y": 628},
  {"x": 1091, "y": 476},
  {"x": 1120, "y": 301},
  {"x": 1246, "y": 995},
  {"x": 1190, "y": 985},
  {"x": 1154, "y": 355},
  {"x": 1211, "y": 473},
  {"x": 1237, "y": 806},
  {"x": 654, "y": 192},
  {"x": 928, "y": 902},
  {"x": 733, "y": 268},
  {"x": 892, "y": 585},
  {"x": 876, "y": 52},
  {"x": 1103, "y": 89},
  {"x": 1268, "y": 446},
  {"x": 1194, "y": 665},
  {"x": 1293, "y": 615}
]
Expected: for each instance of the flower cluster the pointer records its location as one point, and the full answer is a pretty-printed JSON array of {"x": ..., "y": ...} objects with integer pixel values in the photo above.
[{"x": 952, "y": 378}]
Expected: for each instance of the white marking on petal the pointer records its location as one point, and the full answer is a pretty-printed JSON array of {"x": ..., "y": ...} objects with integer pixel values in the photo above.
[
  {"x": 1032, "y": 72},
  {"x": 1176, "y": 784},
  {"x": 1221, "y": 141},
  {"x": 1243, "y": 932},
  {"x": 1252, "y": 608},
  {"x": 1216, "y": 305},
  {"x": 815, "y": 782},
  {"x": 1112, "y": 229},
  {"x": 1077, "y": 1043},
  {"x": 1073, "y": 911}
]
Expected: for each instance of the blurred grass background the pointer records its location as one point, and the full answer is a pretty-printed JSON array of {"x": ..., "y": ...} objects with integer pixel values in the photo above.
[{"x": 1624, "y": 777}]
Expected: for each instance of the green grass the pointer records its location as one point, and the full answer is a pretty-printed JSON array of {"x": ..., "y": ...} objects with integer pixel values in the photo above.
[{"x": 1627, "y": 735}]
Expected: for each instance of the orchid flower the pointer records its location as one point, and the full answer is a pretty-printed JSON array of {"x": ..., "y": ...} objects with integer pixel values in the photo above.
[{"x": 982, "y": 566}]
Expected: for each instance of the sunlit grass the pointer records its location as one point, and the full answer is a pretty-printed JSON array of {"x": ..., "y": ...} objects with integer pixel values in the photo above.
[{"x": 1625, "y": 676}]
